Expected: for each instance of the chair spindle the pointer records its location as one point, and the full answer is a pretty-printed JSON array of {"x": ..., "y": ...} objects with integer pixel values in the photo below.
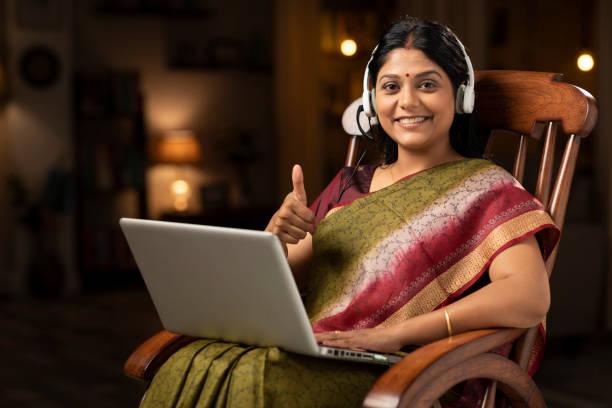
[
  {"x": 519, "y": 162},
  {"x": 523, "y": 347},
  {"x": 489, "y": 398},
  {"x": 351, "y": 155},
  {"x": 560, "y": 193},
  {"x": 542, "y": 190}
]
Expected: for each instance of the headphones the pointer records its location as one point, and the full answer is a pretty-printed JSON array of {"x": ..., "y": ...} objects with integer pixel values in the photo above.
[{"x": 464, "y": 102}]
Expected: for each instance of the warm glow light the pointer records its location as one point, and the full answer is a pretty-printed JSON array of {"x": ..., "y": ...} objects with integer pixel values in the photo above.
[
  {"x": 348, "y": 47},
  {"x": 181, "y": 192},
  {"x": 585, "y": 62},
  {"x": 180, "y": 187},
  {"x": 178, "y": 146}
]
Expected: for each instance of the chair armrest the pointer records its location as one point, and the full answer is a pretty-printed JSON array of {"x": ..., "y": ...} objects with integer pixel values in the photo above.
[
  {"x": 434, "y": 357},
  {"x": 144, "y": 362}
]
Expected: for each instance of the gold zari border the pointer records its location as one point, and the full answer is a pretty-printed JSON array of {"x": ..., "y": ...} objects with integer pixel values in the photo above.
[{"x": 468, "y": 267}]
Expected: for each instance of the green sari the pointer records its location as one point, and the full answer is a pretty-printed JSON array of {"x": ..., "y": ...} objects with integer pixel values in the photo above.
[{"x": 378, "y": 258}]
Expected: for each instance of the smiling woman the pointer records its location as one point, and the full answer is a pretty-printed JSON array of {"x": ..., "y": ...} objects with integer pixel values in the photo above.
[{"x": 430, "y": 242}]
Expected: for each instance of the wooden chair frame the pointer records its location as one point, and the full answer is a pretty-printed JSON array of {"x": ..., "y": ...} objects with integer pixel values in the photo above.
[{"x": 532, "y": 105}]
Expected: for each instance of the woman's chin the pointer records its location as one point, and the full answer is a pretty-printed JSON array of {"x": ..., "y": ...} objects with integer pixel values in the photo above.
[{"x": 412, "y": 142}]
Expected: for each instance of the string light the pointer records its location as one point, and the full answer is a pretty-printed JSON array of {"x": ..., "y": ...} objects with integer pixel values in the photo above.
[
  {"x": 348, "y": 47},
  {"x": 585, "y": 62}
]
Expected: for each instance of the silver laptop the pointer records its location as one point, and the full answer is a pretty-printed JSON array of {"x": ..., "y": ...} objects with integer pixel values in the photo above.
[{"x": 227, "y": 283}]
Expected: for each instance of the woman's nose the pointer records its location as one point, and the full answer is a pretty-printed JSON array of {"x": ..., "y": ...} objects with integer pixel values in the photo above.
[{"x": 408, "y": 98}]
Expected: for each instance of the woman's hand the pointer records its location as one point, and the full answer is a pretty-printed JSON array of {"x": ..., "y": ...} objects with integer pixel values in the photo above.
[
  {"x": 377, "y": 339},
  {"x": 293, "y": 219}
]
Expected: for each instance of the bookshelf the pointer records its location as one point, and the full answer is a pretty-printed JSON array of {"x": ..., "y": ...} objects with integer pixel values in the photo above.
[{"x": 110, "y": 167}]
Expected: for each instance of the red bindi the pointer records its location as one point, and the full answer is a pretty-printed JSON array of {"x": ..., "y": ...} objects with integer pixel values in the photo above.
[{"x": 407, "y": 75}]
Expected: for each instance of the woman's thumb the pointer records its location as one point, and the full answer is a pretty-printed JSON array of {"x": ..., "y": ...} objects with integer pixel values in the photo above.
[{"x": 297, "y": 178}]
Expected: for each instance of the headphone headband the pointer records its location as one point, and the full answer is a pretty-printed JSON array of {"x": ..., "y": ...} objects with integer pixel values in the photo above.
[
  {"x": 367, "y": 99},
  {"x": 465, "y": 104}
]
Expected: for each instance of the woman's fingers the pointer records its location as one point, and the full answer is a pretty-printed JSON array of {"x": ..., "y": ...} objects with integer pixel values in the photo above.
[
  {"x": 287, "y": 217},
  {"x": 350, "y": 340},
  {"x": 289, "y": 234},
  {"x": 286, "y": 238},
  {"x": 293, "y": 203}
]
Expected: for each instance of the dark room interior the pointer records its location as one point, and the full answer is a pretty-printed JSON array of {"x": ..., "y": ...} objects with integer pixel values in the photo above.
[{"x": 195, "y": 111}]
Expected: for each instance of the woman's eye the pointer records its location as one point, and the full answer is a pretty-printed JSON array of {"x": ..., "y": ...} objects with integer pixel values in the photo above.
[
  {"x": 428, "y": 84},
  {"x": 390, "y": 86}
]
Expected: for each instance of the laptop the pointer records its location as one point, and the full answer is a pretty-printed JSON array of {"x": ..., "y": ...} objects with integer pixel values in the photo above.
[{"x": 229, "y": 284}]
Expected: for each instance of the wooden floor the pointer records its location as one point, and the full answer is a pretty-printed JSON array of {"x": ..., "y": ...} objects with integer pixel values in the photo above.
[{"x": 70, "y": 353}]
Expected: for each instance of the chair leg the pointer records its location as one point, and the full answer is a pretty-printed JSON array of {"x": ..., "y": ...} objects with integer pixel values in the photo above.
[
  {"x": 144, "y": 394},
  {"x": 489, "y": 398},
  {"x": 511, "y": 380}
]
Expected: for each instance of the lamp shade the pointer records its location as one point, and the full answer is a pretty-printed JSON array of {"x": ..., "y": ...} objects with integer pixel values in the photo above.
[{"x": 178, "y": 146}]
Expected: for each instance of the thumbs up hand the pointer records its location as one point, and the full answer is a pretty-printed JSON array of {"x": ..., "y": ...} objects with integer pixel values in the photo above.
[{"x": 293, "y": 219}]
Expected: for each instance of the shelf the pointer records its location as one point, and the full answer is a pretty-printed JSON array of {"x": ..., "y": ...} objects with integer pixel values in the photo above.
[
  {"x": 263, "y": 70},
  {"x": 157, "y": 12},
  {"x": 110, "y": 164}
]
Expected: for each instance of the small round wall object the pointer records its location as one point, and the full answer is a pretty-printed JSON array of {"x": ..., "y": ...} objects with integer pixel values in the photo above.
[{"x": 39, "y": 66}]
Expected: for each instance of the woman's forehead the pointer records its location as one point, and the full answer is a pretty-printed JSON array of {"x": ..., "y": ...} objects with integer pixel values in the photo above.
[{"x": 402, "y": 61}]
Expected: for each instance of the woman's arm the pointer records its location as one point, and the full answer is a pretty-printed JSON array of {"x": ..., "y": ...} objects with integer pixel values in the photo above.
[
  {"x": 299, "y": 256},
  {"x": 518, "y": 296},
  {"x": 292, "y": 223}
]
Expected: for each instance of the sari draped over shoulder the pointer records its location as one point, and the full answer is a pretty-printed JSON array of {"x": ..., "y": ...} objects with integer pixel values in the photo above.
[{"x": 378, "y": 258}]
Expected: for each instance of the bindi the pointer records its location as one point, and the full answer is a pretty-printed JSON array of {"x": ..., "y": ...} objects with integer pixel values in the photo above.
[{"x": 407, "y": 75}]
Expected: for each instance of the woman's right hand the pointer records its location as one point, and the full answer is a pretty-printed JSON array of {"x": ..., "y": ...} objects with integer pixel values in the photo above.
[{"x": 293, "y": 219}]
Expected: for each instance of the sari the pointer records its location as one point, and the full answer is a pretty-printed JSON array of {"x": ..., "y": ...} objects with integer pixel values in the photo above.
[{"x": 378, "y": 258}]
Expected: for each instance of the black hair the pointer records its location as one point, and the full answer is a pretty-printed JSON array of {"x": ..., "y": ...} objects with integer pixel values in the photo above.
[{"x": 440, "y": 45}]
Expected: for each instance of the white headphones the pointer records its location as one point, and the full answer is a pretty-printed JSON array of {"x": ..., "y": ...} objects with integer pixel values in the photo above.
[{"x": 464, "y": 102}]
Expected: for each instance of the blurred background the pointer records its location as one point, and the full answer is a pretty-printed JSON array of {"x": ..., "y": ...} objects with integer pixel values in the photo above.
[{"x": 195, "y": 111}]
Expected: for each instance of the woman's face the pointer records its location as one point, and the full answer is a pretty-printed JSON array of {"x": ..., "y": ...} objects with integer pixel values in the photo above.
[{"x": 415, "y": 101}]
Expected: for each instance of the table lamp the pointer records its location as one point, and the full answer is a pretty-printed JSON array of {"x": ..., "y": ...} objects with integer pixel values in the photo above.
[{"x": 179, "y": 147}]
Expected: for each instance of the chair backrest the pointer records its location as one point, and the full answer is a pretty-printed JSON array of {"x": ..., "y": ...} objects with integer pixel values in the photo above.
[{"x": 533, "y": 105}]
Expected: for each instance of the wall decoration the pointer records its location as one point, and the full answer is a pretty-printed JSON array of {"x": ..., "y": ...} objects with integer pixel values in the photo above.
[{"x": 39, "y": 66}]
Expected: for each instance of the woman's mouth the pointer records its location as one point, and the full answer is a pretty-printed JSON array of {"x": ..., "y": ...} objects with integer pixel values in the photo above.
[{"x": 411, "y": 122}]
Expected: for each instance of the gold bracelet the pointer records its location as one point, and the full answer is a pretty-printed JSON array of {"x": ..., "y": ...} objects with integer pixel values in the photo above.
[{"x": 448, "y": 323}]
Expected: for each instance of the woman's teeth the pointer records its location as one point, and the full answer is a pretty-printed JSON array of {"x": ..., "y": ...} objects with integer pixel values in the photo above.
[{"x": 412, "y": 120}]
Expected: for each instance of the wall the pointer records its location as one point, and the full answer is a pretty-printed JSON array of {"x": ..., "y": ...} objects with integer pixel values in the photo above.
[
  {"x": 6, "y": 274},
  {"x": 296, "y": 95},
  {"x": 604, "y": 147},
  {"x": 468, "y": 19},
  {"x": 38, "y": 125},
  {"x": 5, "y": 216},
  {"x": 215, "y": 103}
]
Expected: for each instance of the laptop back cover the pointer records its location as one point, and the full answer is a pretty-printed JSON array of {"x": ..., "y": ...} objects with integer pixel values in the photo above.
[{"x": 225, "y": 283}]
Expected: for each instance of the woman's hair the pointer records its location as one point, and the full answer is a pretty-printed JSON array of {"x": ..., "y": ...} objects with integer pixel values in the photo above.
[{"x": 440, "y": 45}]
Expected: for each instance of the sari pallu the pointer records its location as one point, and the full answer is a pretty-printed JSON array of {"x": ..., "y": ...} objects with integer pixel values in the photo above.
[{"x": 419, "y": 245}]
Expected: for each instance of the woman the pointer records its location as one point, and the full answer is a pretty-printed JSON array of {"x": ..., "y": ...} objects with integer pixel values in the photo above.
[{"x": 425, "y": 245}]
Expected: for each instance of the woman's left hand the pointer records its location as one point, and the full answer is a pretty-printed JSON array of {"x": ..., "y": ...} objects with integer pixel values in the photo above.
[{"x": 376, "y": 339}]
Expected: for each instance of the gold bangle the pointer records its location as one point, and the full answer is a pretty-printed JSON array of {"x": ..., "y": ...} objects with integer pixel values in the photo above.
[{"x": 448, "y": 324}]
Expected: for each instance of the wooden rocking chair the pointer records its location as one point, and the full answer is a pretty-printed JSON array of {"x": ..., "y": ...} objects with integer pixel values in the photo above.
[{"x": 532, "y": 105}]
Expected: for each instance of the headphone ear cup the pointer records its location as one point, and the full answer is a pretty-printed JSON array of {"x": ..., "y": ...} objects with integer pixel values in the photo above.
[
  {"x": 459, "y": 99},
  {"x": 367, "y": 103},
  {"x": 468, "y": 100},
  {"x": 373, "y": 99}
]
